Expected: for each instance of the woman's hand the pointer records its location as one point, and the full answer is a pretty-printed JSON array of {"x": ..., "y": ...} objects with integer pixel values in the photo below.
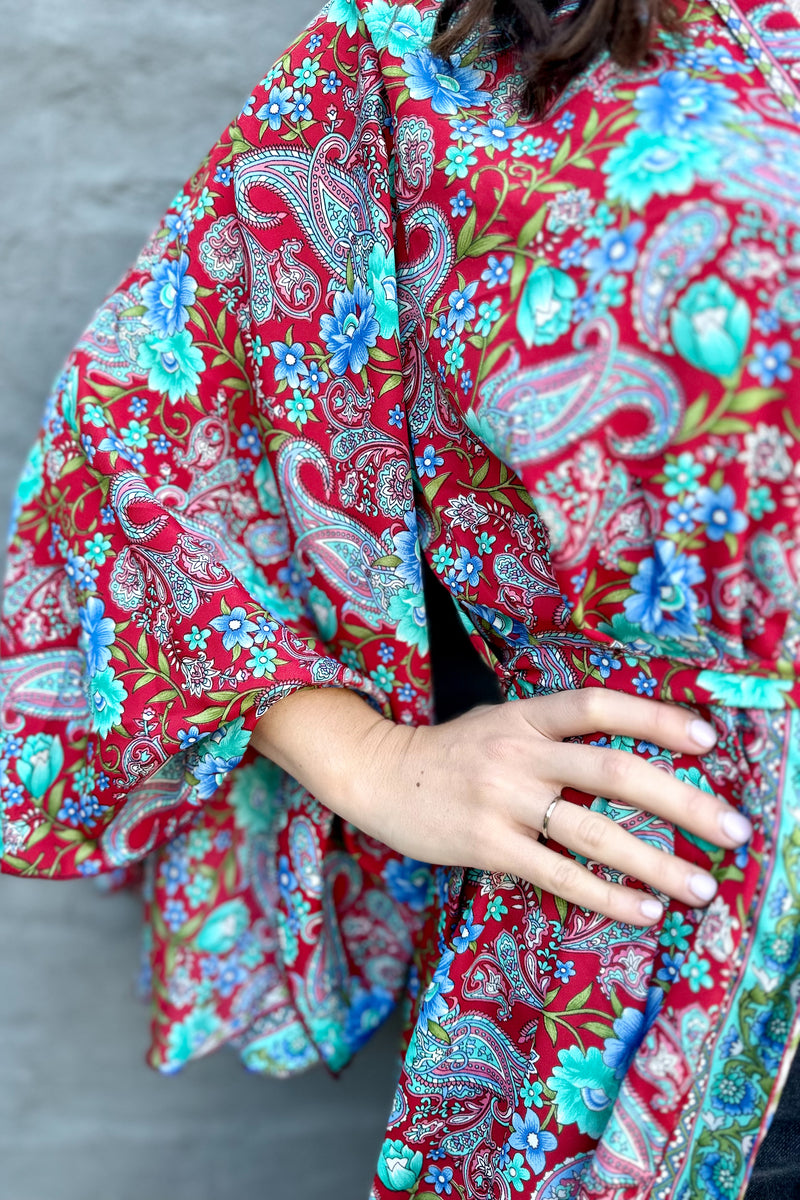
[{"x": 474, "y": 792}]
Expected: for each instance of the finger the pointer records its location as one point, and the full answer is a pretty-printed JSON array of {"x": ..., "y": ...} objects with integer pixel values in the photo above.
[
  {"x": 600, "y": 839},
  {"x": 616, "y": 775},
  {"x": 590, "y": 710},
  {"x": 564, "y": 877}
]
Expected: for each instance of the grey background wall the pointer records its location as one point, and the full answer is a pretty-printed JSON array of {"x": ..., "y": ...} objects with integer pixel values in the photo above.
[{"x": 107, "y": 106}]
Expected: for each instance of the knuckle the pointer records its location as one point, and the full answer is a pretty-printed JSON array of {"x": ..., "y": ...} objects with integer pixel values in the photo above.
[
  {"x": 590, "y": 705},
  {"x": 592, "y": 833},
  {"x": 499, "y": 750},
  {"x": 617, "y": 767},
  {"x": 566, "y": 877}
]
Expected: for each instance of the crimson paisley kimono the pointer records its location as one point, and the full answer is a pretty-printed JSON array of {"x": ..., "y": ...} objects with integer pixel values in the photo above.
[{"x": 390, "y": 318}]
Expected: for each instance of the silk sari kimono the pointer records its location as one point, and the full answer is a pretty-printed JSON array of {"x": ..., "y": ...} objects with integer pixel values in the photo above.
[{"x": 391, "y": 319}]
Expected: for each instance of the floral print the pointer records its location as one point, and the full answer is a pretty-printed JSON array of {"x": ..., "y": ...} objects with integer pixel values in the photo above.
[{"x": 391, "y": 319}]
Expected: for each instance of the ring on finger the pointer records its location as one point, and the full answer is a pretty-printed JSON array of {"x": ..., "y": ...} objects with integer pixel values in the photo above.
[{"x": 551, "y": 808}]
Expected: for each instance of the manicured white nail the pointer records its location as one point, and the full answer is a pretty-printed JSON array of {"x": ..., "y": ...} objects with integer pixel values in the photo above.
[
  {"x": 651, "y": 909},
  {"x": 703, "y": 886},
  {"x": 701, "y": 732},
  {"x": 737, "y": 827}
]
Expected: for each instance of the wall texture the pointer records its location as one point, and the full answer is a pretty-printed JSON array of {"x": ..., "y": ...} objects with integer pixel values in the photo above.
[{"x": 107, "y": 107}]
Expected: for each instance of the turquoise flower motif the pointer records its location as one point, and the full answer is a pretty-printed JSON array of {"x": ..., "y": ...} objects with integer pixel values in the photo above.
[
  {"x": 173, "y": 364},
  {"x": 398, "y": 28},
  {"x": 710, "y": 326},
  {"x": 252, "y": 795},
  {"x": 545, "y": 307},
  {"x": 196, "y": 1033},
  {"x": 30, "y": 485},
  {"x": 39, "y": 763},
  {"x": 106, "y": 697},
  {"x": 399, "y": 1167},
  {"x": 223, "y": 928},
  {"x": 585, "y": 1089},
  {"x": 407, "y": 609},
  {"x": 651, "y": 164},
  {"x": 382, "y": 284},
  {"x": 745, "y": 691},
  {"x": 344, "y": 12}
]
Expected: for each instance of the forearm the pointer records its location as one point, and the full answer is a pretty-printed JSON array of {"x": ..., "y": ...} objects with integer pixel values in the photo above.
[{"x": 322, "y": 736}]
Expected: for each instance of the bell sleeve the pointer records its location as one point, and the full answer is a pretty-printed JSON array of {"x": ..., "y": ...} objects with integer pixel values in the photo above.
[{"x": 218, "y": 509}]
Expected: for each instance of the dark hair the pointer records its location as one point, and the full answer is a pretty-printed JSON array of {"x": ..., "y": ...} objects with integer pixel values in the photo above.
[{"x": 553, "y": 51}]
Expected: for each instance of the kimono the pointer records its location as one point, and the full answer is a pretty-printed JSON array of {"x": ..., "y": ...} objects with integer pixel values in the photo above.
[{"x": 390, "y": 319}]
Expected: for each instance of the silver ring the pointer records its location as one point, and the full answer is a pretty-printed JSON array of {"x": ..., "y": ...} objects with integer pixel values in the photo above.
[{"x": 548, "y": 814}]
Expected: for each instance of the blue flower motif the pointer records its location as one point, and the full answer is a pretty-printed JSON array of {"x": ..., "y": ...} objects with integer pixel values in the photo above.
[
  {"x": 301, "y": 109},
  {"x": 680, "y": 104},
  {"x": 351, "y": 330},
  {"x": 290, "y": 365},
  {"x": 461, "y": 307},
  {"x": 468, "y": 566},
  {"x": 168, "y": 296},
  {"x": 530, "y": 1137},
  {"x": 174, "y": 874},
  {"x": 175, "y": 914},
  {"x": 433, "y": 1005},
  {"x": 406, "y": 547},
  {"x": 460, "y": 204},
  {"x": 671, "y": 969},
  {"x": 223, "y": 175},
  {"x": 447, "y": 85},
  {"x": 629, "y": 1029},
  {"x": 235, "y": 628},
  {"x": 249, "y": 439},
  {"x": 210, "y": 773},
  {"x": 717, "y": 511},
  {"x": 468, "y": 931},
  {"x": 188, "y": 737},
  {"x": 547, "y": 150},
  {"x": 616, "y": 252},
  {"x": 771, "y": 363},
  {"x": 277, "y": 106},
  {"x": 496, "y": 134},
  {"x": 441, "y": 1178},
  {"x": 427, "y": 462},
  {"x": 444, "y": 332},
  {"x": 645, "y": 685},
  {"x": 180, "y": 225},
  {"x": 565, "y": 122},
  {"x": 563, "y": 972},
  {"x": 663, "y": 602},
  {"x": 97, "y": 634},
  {"x": 497, "y": 272},
  {"x": 720, "y": 1176},
  {"x": 409, "y": 882},
  {"x": 733, "y": 1093},
  {"x": 605, "y": 663},
  {"x": 681, "y": 517}
]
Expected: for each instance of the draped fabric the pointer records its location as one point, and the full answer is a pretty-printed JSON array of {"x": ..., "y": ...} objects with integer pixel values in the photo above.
[{"x": 390, "y": 318}]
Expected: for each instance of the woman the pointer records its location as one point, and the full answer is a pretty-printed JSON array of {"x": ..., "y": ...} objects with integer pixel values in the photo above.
[{"x": 571, "y": 331}]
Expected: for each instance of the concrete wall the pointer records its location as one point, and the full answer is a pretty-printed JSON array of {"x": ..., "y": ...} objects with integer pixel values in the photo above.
[{"x": 107, "y": 106}]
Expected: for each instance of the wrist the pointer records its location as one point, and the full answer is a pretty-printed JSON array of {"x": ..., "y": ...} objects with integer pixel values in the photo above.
[{"x": 325, "y": 738}]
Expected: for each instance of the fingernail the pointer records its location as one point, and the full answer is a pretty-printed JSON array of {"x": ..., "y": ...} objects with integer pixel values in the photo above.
[
  {"x": 651, "y": 909},
  {"x": 703, "y": 886},
  {"x": 701, "y": 732},
  {"x": 737, "y": 827}
]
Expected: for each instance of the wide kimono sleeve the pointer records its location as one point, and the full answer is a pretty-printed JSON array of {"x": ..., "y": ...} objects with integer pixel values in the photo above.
[{"x": 197, "y": 532}]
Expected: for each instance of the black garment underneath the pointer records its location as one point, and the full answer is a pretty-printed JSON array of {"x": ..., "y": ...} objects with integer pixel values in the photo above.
[{"x": 776, "y": 1175}]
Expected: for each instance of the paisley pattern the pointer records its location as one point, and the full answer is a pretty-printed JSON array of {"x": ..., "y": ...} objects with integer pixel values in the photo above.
[{"x": 390, "y": 318}]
